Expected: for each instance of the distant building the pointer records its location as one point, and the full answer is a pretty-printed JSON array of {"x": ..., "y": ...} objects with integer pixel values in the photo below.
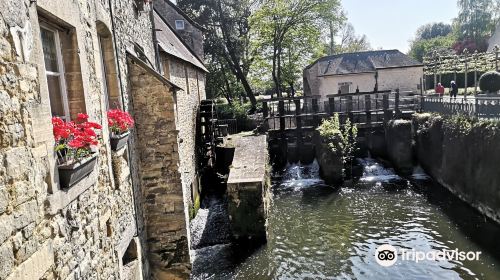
[
  {"x": 186, "y": 28},
  {"x": 363, "y": 71},
  {"x": 495, "y": 39}
]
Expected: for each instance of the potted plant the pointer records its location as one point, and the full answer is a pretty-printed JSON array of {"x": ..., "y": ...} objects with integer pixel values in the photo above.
[
  {"x": 120, "y": 123},
  {"x": 75, "y": 142}
]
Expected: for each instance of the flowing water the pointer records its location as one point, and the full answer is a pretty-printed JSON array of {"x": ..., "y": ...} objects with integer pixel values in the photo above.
[{"x": 319, "y": 232}]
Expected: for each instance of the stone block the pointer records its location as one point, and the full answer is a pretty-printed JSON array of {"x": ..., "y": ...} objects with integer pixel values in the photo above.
[
  {"x": 398, "y": 135},
  {"x": 6, "y": 260},
  {"x": 25, "y": 214},
  {"x": 6, "y": 227},
  {"x": 4, "y": 199}
]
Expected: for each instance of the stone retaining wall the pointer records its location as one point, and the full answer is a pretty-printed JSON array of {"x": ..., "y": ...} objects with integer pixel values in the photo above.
[{"x": 465, "y": 163}]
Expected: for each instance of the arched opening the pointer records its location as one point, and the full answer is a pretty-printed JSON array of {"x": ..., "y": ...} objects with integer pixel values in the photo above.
[{"x": 109, "y": 71}]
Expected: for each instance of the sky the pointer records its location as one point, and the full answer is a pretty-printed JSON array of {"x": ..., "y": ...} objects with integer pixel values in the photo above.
[{"x": 390, "y": 24}]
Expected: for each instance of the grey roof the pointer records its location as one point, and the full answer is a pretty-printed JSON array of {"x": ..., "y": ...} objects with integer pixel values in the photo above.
[
  {"x": 362, "y": 62},
  {"x": 170, "y": 43}
]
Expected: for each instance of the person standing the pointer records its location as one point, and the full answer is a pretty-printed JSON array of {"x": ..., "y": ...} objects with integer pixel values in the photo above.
[
  {"x": 439, "y": 90},
  {"x": 453, "y": 89}
]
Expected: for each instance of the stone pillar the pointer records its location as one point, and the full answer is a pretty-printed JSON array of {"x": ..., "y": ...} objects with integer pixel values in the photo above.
[
  {"x": 398, "y": 134},
  {"x": 160, "y": 179}
]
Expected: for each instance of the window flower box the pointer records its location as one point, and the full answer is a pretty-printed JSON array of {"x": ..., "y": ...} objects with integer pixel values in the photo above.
[
  {"x": 72, "y": 173},
  {"x": 120, "y": 123},
  {"x": 75, "y": 147},
  {"x": 118, "y": 141}
]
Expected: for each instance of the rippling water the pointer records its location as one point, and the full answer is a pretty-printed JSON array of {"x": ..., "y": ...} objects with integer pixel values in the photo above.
[{"x": 318, "y": 232}]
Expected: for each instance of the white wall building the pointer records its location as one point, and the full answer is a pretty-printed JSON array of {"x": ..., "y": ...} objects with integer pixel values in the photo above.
[{"x": 363, "y": 71}]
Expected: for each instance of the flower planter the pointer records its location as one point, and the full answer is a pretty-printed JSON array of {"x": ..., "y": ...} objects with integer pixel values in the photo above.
[
  {"x": 118, "y": 141},
  {"x": 70, "y": 174}
]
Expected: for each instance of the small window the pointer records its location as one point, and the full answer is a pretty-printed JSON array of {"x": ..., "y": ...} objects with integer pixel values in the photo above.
[
  {"x": 344, "y": 88},
  {"x": 55, "y": 72},
  {"x": 179, "y": 24}
]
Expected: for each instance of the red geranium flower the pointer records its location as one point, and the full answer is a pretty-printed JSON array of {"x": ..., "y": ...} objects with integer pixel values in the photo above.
[
  {"x": 119, "y": 121},
  {"x": 75, "y": 138}
]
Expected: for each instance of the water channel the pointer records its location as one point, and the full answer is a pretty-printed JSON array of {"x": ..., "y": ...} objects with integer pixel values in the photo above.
[{"x": 317, "y": 231}]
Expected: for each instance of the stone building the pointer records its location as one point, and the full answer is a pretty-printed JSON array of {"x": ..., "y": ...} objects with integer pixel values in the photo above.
[
  {"x": 127, "y": 219},
  {"x": 345, "y": 73},
  {"x": 188, "y": 30}
]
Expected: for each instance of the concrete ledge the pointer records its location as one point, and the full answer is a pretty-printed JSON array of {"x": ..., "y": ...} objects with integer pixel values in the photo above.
[
  {"x": 36, "y": 265},
  {"x": 247, "y": 188},
  {"x": 127, "y": 237}
]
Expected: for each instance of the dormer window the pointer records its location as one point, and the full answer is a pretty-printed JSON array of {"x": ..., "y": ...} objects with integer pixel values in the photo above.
[{"x": 179, "y": 24}]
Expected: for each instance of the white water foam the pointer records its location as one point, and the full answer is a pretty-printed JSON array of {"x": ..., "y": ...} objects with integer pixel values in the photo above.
[
  {"x": 419, "y": 174},
  {"x": 298, "y": 176},
  {"x": 376, "y": 172}
]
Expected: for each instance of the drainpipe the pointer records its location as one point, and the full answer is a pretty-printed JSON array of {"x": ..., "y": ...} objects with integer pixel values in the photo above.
[
  {"x": 122, "y": 95},
  {"x": 155, "y": 40}
]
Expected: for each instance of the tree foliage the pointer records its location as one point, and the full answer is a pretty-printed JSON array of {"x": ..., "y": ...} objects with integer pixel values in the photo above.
[
  {"x": 339, "y": 139},
  {"x": 288, "y": 34},
  {"x": 433, "y": 30},
  {"x": 350, "y": 42},
  {"x": 476, "y": 18},
  {"x": 227, "y": 41},
  {"x": 441, "y": 45}
]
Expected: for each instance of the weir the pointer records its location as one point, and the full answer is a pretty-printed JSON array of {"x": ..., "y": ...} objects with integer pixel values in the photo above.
[{"x": 291, "y": 122}]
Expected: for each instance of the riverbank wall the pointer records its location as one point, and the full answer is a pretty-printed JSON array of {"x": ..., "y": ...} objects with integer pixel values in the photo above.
[{"x": 463, "y": 156}]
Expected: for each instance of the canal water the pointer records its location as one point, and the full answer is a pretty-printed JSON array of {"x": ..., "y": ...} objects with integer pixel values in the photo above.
[{"x": 317, "y": 231}]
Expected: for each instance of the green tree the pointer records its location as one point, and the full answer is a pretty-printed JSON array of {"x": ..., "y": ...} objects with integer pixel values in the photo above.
[
  {"x": 350, "y": 42},
  {"x": 291, "y": 30},
  {"x": 433, "y": 30},
  {"x": 476, "y": 19},
  {"x": 227, "y": 40},
  {"x": 440, "y": 44}
]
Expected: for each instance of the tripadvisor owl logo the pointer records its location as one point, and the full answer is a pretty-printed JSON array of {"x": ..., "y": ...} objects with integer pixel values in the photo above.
[{"x": 386, "y": 255}]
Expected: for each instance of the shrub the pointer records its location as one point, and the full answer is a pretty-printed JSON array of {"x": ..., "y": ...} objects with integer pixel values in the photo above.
[
  {"x": 239, "y": 112},
  {"x": 490, "y": 81},
  {"x": 339, "y": 139}
]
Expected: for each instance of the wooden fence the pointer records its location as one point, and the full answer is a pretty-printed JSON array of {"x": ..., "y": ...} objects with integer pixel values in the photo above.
[{"x": 363, "y": 108}]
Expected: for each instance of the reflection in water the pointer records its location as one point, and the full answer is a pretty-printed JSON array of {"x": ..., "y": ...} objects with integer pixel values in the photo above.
[{"x": 318, "y": 232}]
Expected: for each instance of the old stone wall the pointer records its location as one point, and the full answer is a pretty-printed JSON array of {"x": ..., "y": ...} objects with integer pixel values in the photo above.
[
  {"x": 191, "y": 34},
  {"x": 398, "y": 137},
  {"x": 94, "y": 229},
  {"x": 191, "y": 80},
  {"x": 464, "y": 160},
  {"x": 46, "y": 232},
  {"x": 248, "y": 188},
  {"x": 160, "y": 175}
]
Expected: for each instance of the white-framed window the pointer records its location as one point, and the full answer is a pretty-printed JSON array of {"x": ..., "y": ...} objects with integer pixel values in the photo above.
[
  {"x": 54, "y": 70},
  {"x": 179, "y": 24},
  {"x": 345, "y": 87}
]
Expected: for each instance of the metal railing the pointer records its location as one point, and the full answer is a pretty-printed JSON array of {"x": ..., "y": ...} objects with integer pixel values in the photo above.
[
  {"x": 232, "y": 125},
  {"x": 485, "y": 107}
]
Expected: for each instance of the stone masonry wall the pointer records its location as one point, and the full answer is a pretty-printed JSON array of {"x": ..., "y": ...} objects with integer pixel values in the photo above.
[
  {"x": 45, "y": 232},
  {"x": 160, "y": 178},
  {"x": 188, "y": 101}
]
